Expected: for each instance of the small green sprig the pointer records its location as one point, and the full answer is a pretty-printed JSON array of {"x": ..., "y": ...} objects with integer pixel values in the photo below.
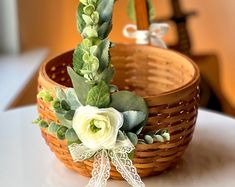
[
  {"x": 159, "y": 136},
  {"x": 91, "y": 57}
]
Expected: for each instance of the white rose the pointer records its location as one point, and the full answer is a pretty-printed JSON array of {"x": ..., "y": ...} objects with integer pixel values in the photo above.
[{"x": 97, "y": 128}]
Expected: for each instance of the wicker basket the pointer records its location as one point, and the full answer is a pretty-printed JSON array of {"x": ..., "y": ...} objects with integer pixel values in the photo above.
[{"x": 167, "y": 80}]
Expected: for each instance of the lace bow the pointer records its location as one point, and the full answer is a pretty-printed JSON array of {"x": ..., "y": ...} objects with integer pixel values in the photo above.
[
  {"x": 152, "y": 36},
  {"x": 101, "y": 165}
]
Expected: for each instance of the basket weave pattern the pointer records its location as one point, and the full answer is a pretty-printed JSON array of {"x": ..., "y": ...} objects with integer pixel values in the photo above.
[{"x": 168, "y": 82}]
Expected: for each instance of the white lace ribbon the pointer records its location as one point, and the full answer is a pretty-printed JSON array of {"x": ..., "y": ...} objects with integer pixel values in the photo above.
[
  {"x": 101, "y": 164},
  {"x": 152, "y": 36}
]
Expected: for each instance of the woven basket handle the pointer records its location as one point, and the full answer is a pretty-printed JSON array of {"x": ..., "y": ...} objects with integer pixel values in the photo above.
[{"x": 141, "y": 9}]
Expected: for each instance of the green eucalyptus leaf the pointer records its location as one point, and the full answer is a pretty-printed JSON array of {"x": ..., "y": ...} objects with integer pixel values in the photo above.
[
  {"x": 80, "y": 86},
  {"x": 72, "y": 99},
  {"x": 103, "y": 54},
  {"x": 61, "y": 132},
  {"x": 60, "y": 110},
  {"x": 65, "y": 105},
  {"x": 159, "y": 138},
  {"x": 126, "y": 101},
  {"x": 60, "y": 94},
  {"x": 63, "y": 121},
  {"x": 132, "y": 137},
  {"x": 78, "y": 57},
  {"x": 99, "y": 96},
  {"x": 105, "y": 9},
  {"x": 80, "y": 22},
  {"x": 105, "y": 29},
  {"x": 106, "y": 75},
  {"x": 69, "y": 115},
  {"x": 52, "y": 129},
  {"x": 56, "y": 103},
  {"x": 132, "y": 119},
  {"x": 87, "y": 19},
  {"x": 71, "y": 135},
  {"x": 148, "y": 139},
  {"x": 121, "y": 135},
  {"x": 166, "y": 136}
]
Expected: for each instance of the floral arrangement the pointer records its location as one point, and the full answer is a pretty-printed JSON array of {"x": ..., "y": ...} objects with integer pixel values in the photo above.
[{"x": 97, "y": 120}]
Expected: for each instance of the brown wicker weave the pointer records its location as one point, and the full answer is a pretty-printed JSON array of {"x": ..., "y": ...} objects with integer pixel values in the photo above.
[{"x": 167, "y": 80}]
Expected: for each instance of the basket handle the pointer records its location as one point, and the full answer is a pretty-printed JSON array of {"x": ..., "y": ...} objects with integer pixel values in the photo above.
[{"x": 141, "y": 10}]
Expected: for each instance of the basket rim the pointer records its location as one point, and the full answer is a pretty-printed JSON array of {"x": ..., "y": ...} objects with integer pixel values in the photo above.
[{"x": 177, "y": 92}]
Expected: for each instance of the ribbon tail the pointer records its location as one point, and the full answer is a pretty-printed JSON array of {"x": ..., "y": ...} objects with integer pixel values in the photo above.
[
  {"x": 101, "y": 169},
  {"x": 125, "y": 167},
  {"x": 158, "y": 42}
]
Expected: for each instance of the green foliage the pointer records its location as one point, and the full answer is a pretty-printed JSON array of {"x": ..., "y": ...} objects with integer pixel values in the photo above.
[
  {"x": 159, "y": 136},
  {"x": 80, "y": 22},
  {"x": 45, "y": 96},
  {"x": 132, "y": 137},
  {"x": 72, "y": 99},
  {"x": 131, "y": 10},
  {"x": 127, "y": 101},
  {"x": 77, "y": 58},
  {"x": 65, "y": 105},
  {"x": 132, "y": 119},
  {"x": 107, "y": 75},
  {"x": 105, "y": 9},
  {"x": 71, "y": 135},
  {"x": 69, "y": 115},
  {"x": 99, "y": 96},
  {"x": 52, "y": 129},
  {"x": 65, "y": 122},
  {"x": 105, "y": 29},
  {"x": 60, "y": 133},
  {"x": 103, "y": 54},
  {"x": 80, "y": 86}
]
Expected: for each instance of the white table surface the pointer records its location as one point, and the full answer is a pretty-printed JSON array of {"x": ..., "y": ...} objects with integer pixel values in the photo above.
[
  {"x": 15, "y": 72},
  {"x": 26, "y": 161}
]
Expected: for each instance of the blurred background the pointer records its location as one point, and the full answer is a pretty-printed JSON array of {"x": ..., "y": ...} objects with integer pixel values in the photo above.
[{"x": 34, "y": 31}]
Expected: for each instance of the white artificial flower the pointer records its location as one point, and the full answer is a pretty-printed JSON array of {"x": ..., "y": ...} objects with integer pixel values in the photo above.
[{"x": 97, "y": 128}]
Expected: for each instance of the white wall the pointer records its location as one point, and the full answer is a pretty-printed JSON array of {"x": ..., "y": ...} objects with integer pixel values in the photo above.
[{"x": 9, "y": 36}]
